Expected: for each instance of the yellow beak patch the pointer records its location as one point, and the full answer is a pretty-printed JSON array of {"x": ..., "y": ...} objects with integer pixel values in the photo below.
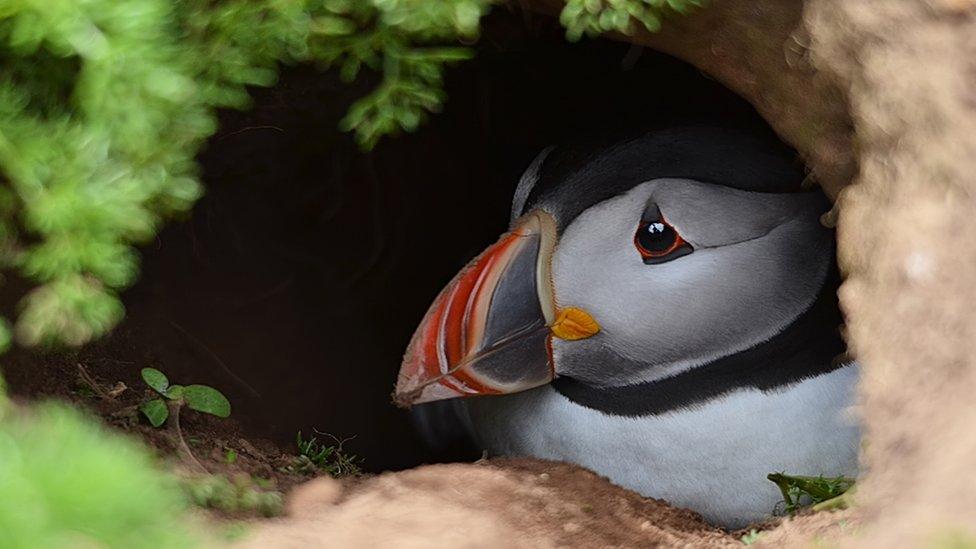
[{"x": 572, "y": 324}]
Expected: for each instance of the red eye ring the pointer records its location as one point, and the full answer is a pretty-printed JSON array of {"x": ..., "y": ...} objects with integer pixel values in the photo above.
[{"x": 666, "y": 241}]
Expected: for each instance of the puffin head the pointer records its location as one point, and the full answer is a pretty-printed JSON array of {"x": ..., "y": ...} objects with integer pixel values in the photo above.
[{"x": 630, "y": 264}]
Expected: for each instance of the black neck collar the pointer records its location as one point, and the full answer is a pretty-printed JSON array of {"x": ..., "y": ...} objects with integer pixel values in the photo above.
[{"x": 805, "y": 348}]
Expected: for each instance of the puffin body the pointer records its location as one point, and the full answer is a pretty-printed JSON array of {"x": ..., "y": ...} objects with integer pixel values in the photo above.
[
  {"x": 663, "y": 312},
  {"x": 712, "y": 458}
]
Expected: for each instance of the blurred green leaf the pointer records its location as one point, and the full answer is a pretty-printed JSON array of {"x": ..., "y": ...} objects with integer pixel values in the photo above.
[
  {"x": 595, "y": 17},
  {"x": 5, "y": 338},
  {"x": 67, "y": 481},
  {"x": 72, "y": 309}
]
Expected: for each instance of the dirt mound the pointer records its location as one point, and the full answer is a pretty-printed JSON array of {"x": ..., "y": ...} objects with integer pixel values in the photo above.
[
  {"x": 909, "y": 294},
  {"x": 501, "y": 503}
]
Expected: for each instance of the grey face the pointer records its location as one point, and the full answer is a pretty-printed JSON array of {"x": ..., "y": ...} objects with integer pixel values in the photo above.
[{"x": 758, "y": 261}]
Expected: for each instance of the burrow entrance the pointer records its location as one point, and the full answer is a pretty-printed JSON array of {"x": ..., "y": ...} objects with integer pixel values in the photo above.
[{"x": 298, "y": 280}]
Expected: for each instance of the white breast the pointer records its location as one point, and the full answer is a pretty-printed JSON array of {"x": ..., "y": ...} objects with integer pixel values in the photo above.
[{"x": 712, "y": 458}]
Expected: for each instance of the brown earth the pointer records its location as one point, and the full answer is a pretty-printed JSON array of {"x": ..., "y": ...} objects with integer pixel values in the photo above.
[
  {"x": 907, "y": 235},
  {"x": 501, "y": 503},
  {"x": 107, "y": 384}
]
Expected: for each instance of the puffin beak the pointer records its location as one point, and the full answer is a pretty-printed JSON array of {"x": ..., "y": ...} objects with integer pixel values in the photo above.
[{"x": 489, "y": 331}]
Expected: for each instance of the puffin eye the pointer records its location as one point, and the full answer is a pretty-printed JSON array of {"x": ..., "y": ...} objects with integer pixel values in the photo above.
[{"x": 659, "y": 242}]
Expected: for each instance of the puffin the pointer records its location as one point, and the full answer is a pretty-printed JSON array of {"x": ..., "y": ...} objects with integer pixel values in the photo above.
[{"x": 662, "y": 311}]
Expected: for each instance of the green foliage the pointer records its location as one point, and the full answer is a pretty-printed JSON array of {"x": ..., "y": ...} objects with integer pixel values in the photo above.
[
  {"x": 207, "y": 400},
  {"x": 595, "y": 17},
  {"x": 201, "y": 398},
  {"x": 156, "y": 380},
  {"x": 801, "y": 491},
  {"x": 315, "y": 456},
  {"x": 238, "y": 495},
  {"x": 66, "y": 482},
  {"x": 382, "y": 35},
  {"x": 104, "y": 105},
  {"x": 155, "y": 411}
]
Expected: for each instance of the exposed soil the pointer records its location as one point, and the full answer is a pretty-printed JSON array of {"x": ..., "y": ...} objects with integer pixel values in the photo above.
[
  {"x": 909, "y": 67},
  {"x": 502, "y": 503},
  {"x": 112, "y": 389}
]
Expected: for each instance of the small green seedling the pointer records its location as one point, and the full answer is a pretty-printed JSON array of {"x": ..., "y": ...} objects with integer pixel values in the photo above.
[
  {"x": 800, "y": 491},
  {"x": 311, "y": 449},
  {"x": 201, "y": 398},
  {"x": 333, "y": 459}
]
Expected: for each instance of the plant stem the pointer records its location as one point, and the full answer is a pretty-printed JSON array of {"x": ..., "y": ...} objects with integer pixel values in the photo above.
[
  {"x": 91, "y": 383},
  {"x": 184, "y": 448}
]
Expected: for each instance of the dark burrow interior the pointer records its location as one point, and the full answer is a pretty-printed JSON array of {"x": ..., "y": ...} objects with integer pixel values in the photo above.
[{"x": 296, "y": 282}]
